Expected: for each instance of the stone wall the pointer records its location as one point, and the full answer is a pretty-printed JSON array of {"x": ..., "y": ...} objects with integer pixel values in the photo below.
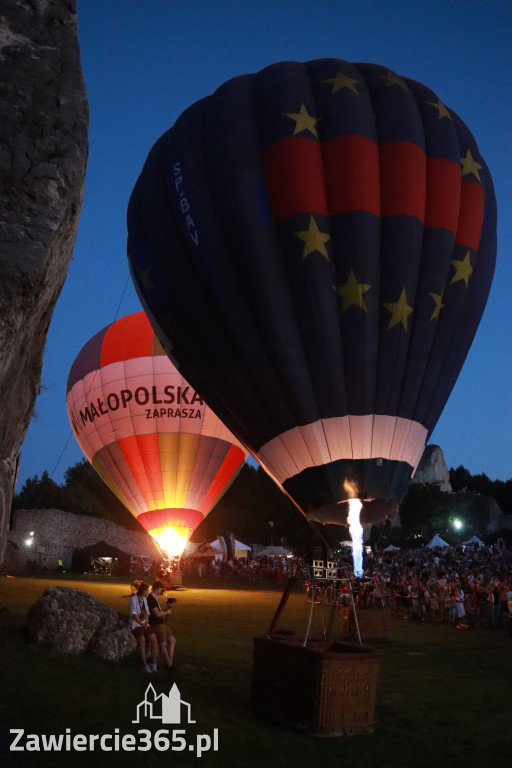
[{"x": 56, "y": 534}]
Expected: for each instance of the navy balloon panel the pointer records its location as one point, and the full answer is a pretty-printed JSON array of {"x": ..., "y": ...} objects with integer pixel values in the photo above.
[{"x": 314, "y": 245}]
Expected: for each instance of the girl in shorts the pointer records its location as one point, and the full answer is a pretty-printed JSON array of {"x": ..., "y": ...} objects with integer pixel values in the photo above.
[{"x": 139, "y": 624}]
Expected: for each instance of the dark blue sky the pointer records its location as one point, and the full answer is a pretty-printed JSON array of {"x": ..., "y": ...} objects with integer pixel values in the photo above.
[{"x": 145, "y": 61}]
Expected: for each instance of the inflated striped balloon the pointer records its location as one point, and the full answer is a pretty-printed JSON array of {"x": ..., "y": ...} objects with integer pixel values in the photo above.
[
  {"x": 148, "y": 433},
  {"x": 317, "y": 242}
]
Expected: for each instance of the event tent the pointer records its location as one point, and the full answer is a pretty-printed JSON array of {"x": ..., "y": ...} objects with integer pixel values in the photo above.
[
  {"x": 274, "y": 551},
  {"x": 83, "y": 558},
  {"x": 437, "y": 541},
  {"x": 391, "y": 548},
  {"x": 474, "y": 541},
  {"x": 206, "y": 551},
  {"x": 241, "y": 550}
]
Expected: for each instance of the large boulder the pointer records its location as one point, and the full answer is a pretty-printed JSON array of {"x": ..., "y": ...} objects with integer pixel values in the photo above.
[
  {"x": 73, "y": 621},
  {"x": 432, "y": 469},
  {"x": 43, "y": 153}
]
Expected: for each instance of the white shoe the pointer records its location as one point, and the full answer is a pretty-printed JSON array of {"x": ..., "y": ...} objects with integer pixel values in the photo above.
[
  {"x": 148, "y": 669},
  {"x": 153, "y": 667}
]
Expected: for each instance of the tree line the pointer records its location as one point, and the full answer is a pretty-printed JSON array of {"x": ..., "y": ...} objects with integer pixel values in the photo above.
[
  {"x": 253, "y": 507},
  {"x": 256, "y": 510}
]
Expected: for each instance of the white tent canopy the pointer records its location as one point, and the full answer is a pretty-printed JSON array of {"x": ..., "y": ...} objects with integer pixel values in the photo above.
[
  {"x": 274, "y": 551},
  {"x": 474, "y": 540},
  {"x": 205, "y": 550},
  {"x": 437, "y": 541},
  {"x": 241, "y": 549},
  {"x": 391, "y": 548}
]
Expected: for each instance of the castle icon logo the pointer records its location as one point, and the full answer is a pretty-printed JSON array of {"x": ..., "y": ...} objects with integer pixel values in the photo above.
[{"x": 167, "y": 708}]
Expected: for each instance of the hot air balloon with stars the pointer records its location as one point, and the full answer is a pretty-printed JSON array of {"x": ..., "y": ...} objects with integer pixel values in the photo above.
[
  {"x": 316, "y": 243},
  {"x": 148, "y": 432}
]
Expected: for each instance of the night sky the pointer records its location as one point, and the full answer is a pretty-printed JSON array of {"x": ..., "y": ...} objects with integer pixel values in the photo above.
[{"x": 145, "y": 62}]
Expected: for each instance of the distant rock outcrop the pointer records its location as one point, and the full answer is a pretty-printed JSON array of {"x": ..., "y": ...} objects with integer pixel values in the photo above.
[
  {"x": 432, "y": 469},
  {"x": 73, "y": 621},
  {"x": 43, "y": 153}
]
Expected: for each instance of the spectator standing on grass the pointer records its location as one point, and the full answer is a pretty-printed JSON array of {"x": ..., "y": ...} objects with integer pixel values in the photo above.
[
  {"x": 479, "y": 603},
  {"x": 157, "y": 617},
  {"x": 503, "y": 604},
  {"x": 139, "y": 624},
  {"x": 489, "y": 608},
  {"x": 459, "y": 609}
]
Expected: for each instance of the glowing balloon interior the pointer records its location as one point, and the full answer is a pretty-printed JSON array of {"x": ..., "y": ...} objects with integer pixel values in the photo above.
[
  {"x": 316, "y": 242},
  {"x": 148, "y": 433}
]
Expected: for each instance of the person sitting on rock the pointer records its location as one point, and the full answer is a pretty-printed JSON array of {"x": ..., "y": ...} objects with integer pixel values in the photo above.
[
  {"x": 139, "y": 624},
  {"x": 157, "y": 617}
]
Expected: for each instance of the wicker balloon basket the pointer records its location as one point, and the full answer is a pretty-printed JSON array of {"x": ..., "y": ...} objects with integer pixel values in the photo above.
[
  {"x": 325, "y": 688},
  {"x": 175, "y": 579}
]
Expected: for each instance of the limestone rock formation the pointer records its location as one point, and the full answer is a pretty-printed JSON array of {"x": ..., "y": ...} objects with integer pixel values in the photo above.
[
  {"x": 73, "y": 621},
  {"x": 432, "y": 469},
  {"x": 43, "y": 153}
]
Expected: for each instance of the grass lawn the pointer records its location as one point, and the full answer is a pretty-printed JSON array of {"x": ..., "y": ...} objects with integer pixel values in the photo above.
[{"x": 443, "y": 695}]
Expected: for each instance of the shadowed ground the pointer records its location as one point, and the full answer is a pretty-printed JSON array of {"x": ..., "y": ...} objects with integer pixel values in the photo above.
[{"x": 443, "y": 695}]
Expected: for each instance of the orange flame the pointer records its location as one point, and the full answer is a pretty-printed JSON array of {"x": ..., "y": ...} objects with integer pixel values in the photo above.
[{"x": 172, "y": 540}]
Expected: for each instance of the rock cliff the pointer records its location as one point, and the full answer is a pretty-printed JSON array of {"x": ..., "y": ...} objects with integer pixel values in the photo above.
[
  {"x": 432, "y": 469},
  {"x": 43, "y": 154}
]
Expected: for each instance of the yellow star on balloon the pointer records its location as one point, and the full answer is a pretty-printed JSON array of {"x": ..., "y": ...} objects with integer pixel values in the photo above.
[
  {"x": 438, "y": 302},
  {"x": 144, "y": 278},
  {"x": 392, "y": 79},
  {"x": 314, "y": 240},
  {"x": 463, "y": 269},
  {"x": 303, "y": 121},
  {"x": 400, "y": 311},
  {"x": 470, "y": 165},
  {"x": 441, "y": 109},
  {"x": 352, "y": 293},
  {"x": 340, "y": 80}
]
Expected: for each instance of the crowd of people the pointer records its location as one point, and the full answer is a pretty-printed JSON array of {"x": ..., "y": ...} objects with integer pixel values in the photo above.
[
  {"x": 451, "y": 585},
  {"x": 461, "y": 585},
  {"x": 267, "y": 568}
]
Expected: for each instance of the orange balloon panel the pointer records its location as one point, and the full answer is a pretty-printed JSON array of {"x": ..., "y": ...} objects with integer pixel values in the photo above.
[{"x": 148, "y": 433}]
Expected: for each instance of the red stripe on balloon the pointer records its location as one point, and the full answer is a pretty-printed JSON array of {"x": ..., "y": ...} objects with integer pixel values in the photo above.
[
  {"x": 352, "y": 176},
  {"x": 471, "y": 217},
  {"x": 170, "y": 518},
  {"x": 403, "y": 175},
  {"x": 142, "y": 454},
  {"x": 232, "y": 461},
  {"x": 127, "y": 338},
  {"x": 443, "y": 193},
  {"x": 150, "y": 453},
  {"x": 294, "y": 175}
]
